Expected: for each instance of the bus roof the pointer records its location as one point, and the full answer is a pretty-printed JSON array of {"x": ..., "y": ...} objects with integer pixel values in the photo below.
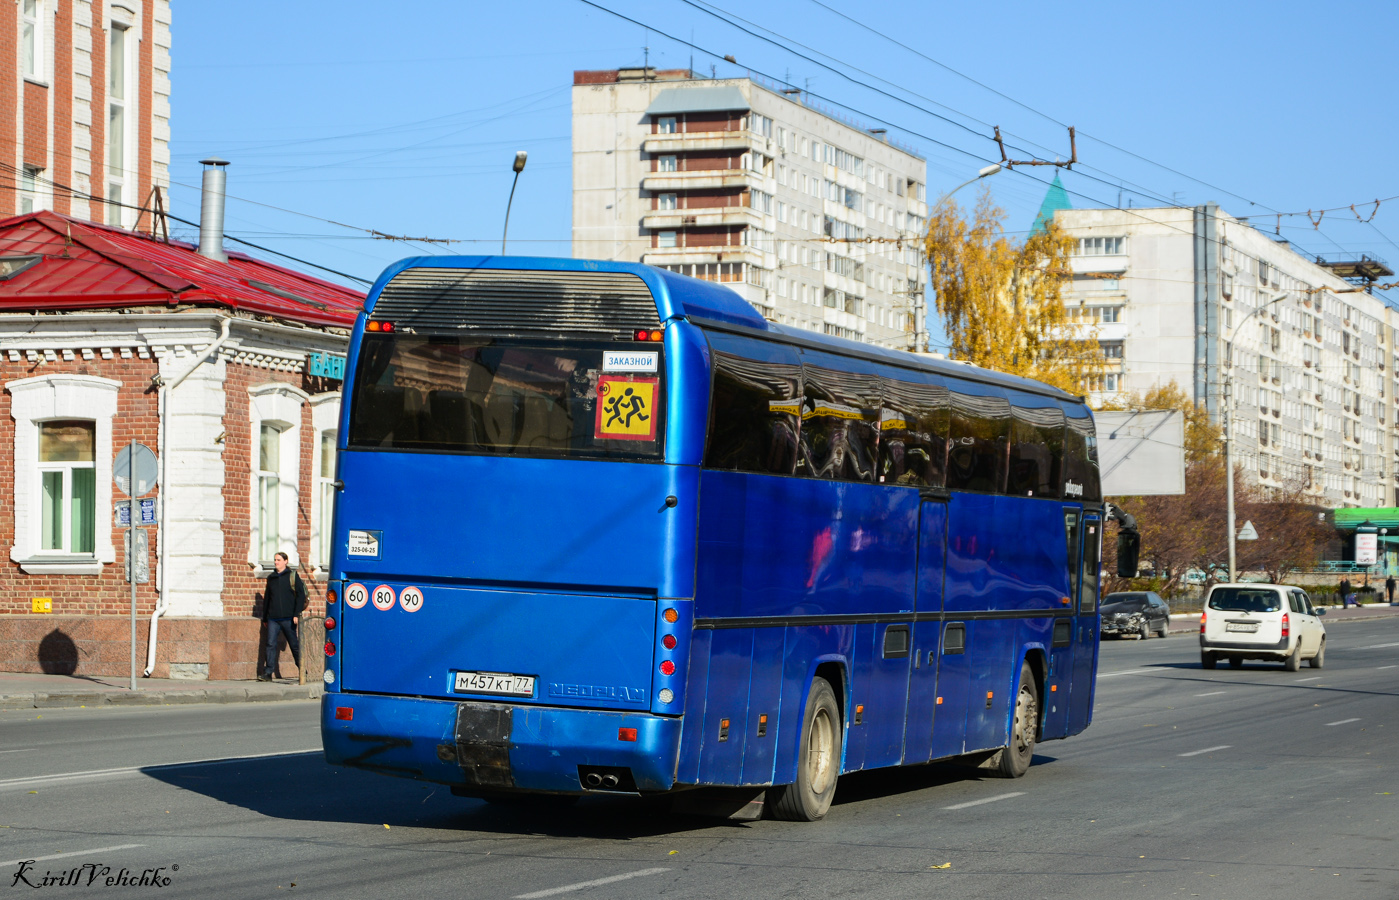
[{"x": 714, "y": 305}]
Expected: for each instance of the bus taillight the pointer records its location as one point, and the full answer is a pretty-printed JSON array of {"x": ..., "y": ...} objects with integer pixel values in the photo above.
[
  {"x": 667, "y": 668},
  {"x": 670, "y": 615},
  {"x": 329, "y": 623},
  {"x": 329, "y": 648},
  {"x": 378, "y": 326},
  {"x": 668, "y": 641},
  {"x": 331, "y": 597},
  {"x": 643, "y": 335}
]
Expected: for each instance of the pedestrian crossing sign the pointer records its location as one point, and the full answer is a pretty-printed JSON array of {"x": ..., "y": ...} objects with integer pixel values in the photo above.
[{"x": 626, "y": 408}]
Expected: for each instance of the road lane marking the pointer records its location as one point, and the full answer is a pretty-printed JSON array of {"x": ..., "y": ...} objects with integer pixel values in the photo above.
[
  {"x": 986, "y": 800},
  {"x": 1206, "y": 750},
  {"x": 1212, "y": 694},
  {"x": 587, "y": 884},
  {"x": 26, "y": 750},
  {"x": 1300, "y": 680},
  {"x": 1387, "y": 667},
  {"x": 1126, "y": 672},
  {"x": 1380, "y": 646},
  {"x": 15, "y": 862},
  {"x": 14, "y": 784},
  {"x": 1342, "y": 722}
]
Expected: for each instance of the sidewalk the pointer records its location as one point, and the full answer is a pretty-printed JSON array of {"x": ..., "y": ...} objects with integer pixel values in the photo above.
[
  {"x": 26, "y": 691},
  {"x": 1189, "y": 623}
]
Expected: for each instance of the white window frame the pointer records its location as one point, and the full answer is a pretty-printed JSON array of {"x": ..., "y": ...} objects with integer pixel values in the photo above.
[
  {"x": 663, "y": 121},
  {"x": 38, "y": 35},
  {"x": 119, "y": 184},
  {"x": 325, "y": 419},
  {"x": 670, "y": 160},
  {"x": 66, "y": 469},
  {"x": 63, "y": 396},
  {"x": 667, "y": 240},
  {"x": 279, "y": 405},
  {"x": 668, "y": 201},
  {"x": 31, "y": 191}
]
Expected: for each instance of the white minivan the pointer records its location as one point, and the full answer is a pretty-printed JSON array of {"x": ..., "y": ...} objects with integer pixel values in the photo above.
[{"x": 1261, "y": 621}]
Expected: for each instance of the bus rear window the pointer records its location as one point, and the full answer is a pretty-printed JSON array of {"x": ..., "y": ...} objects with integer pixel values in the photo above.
[{"x": 509, "y": 397}]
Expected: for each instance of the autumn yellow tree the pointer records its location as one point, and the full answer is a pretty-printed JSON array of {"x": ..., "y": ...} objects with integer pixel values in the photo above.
[{"x": 1001, "y": 300}]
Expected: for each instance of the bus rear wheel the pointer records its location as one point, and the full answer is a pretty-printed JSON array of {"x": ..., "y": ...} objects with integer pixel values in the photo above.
[
  {"x": 1015, "y": 759},
  {"x": 818, "y": 760}
]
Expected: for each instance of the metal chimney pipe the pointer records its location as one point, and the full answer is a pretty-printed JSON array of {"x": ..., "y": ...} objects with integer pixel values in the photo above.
[{"x": 211, "y": 209}]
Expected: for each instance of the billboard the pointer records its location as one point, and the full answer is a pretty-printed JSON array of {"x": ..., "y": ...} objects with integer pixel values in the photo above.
[{"x": 1141, "y": 452}]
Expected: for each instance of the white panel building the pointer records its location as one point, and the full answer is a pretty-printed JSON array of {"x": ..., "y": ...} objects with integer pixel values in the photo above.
[
  {"x": 814, "y": 221},
  {"x": 1195, "y": 296}
]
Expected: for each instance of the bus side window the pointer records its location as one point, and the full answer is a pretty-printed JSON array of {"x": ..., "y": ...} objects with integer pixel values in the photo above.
[
  {"x": 913, "y": 433},
  {"x": 753, "y": 412},
  {"x": 1081, "y": 461},
  {"x": 1036, "y": 451},
  {"x": 840, "y": 431},
  {"x": 978, "y": 443}
]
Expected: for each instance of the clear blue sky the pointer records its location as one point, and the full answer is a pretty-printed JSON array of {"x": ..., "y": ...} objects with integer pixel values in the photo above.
[{"x": 405, "y": 117}]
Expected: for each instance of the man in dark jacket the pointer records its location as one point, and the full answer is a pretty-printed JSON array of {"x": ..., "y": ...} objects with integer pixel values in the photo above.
[
  {"x": 1389, "y": 589},
  {"x": 282, "y": 605},
  {"x": 1344, "y": 590}
]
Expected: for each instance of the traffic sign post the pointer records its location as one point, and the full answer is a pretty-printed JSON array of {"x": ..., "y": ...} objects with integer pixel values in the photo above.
[{"x": 136, "y": 474}]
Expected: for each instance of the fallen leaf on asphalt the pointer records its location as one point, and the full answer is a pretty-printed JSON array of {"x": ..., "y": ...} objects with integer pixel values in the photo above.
[
  {"x": 386, "y": 828},
  {"x": 672, "y": 853},
  {"x": 33, "y": 792},
  {"x": 943, "y": 866}
]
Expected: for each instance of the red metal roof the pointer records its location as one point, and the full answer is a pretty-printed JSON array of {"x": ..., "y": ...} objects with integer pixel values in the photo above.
[{"x": 84, "y": 265}]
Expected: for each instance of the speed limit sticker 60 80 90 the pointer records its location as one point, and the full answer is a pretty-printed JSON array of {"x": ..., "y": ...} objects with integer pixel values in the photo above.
[
  {"x": 383, "y": 598},
  {"x": 356, "y": 595},
  {"x": 411, "y": 599}
]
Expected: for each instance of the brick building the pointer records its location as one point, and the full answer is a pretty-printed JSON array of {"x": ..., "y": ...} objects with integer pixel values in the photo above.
[
  {"x": 84, "y": 107},
  {"x": 108, "y": 336}
]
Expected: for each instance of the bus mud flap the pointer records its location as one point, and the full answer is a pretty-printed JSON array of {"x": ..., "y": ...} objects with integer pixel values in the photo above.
[{"x": 482, "y": 746}]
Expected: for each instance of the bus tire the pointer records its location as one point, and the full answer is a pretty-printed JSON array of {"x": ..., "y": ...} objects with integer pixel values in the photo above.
[
  {"x": 1014, "y": 760},
  {"x": 818, "y": 760}
]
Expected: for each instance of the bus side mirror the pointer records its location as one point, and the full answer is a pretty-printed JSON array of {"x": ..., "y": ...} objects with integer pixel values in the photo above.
[{"x": 1129, "y": 545}]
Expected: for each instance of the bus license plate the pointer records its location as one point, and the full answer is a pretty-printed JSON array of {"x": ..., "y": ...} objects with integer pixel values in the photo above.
[
  {"x": 1241, "y": 626},
  {"x": 494, "y": 683}
]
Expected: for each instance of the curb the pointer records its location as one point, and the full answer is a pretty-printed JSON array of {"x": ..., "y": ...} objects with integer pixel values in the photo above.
[{"x": 46, "y": 700}]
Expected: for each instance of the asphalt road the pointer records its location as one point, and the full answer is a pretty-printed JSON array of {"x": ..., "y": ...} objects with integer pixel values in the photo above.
[{"x": 1222, "y": 784}]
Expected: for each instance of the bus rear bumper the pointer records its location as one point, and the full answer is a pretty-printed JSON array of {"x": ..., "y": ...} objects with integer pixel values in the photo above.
[{"x": 497, "y": 746}]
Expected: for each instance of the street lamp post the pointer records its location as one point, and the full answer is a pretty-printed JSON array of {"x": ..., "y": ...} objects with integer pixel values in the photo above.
[
  {"x": 920, "y": 312},
  {"x": 519, "y": 167},
  {"x": 1229, "y": 438}
]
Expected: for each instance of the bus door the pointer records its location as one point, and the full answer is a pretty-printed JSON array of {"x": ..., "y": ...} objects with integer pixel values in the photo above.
[
  {"x": 938, "y": 684},
  {"x": 1085, "y": 634}
]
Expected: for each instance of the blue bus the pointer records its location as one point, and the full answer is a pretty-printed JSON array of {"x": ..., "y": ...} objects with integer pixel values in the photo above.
[{"x": 601, "y": 527}]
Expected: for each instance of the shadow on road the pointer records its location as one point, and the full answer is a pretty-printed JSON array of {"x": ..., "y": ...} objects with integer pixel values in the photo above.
[{"x": 302, "y": 787}]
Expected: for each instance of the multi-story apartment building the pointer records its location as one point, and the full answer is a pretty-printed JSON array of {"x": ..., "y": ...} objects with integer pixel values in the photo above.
[
  {"x": 815, "y": 221},
  {"x": 84, "y": 107},
  {"x": 1306, "y": 360}
]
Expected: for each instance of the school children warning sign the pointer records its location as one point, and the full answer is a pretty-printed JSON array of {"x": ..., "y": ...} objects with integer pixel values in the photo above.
[{"x": 626, "y": 408}]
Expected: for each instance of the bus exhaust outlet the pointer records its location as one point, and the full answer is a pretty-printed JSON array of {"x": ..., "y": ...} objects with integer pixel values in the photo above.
[{"x": 607, "y": 778}]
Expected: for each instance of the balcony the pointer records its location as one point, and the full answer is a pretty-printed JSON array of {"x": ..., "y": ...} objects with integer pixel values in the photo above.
[
  {"x": 702, "y": 180},
  {"x": 674, "y": 219},
  {"x": 696, "y": 141},
  {"x": 678, "y": 256}
]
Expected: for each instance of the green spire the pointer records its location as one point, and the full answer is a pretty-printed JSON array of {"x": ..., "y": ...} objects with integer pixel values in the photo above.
[{"x": 1055, "y": 199}]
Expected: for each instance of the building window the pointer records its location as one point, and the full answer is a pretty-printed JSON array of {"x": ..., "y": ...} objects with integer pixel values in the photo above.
[
  {"x": 1112, "y": 349},
  {"x": 668, "y": 201},
  {"x": 1101, "y": 246},
  {"x": 1111, "y": 314},
  {"x": 67, "y": 486},
  {"x": 667, "y": 164},
  {"x": 62, "y": 473},
  {"x": 325, "y": 488},
  {"x": 269, "y": 486},
  {"x": 29, "y": 189},
  {"x": 666, "y": 125},
  {"x": 31, "y": 39},
  {"x": 119, "y": 113},
  {"x": 665, "y": 239}
]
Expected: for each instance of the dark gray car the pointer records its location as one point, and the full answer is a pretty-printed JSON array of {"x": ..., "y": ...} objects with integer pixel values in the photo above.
[{"x": 1139, "y": 613}]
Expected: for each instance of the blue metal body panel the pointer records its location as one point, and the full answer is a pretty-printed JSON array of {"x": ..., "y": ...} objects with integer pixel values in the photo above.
[{"x": 564, "y": 569}]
